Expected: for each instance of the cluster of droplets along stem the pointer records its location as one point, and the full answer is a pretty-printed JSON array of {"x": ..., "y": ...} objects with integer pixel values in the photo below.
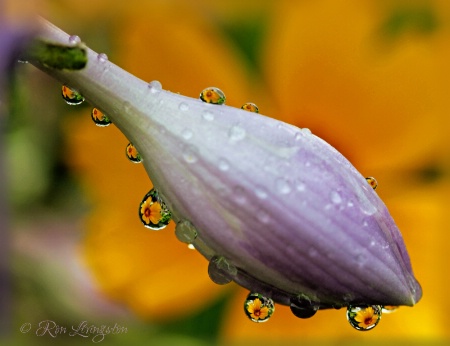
[{"x": 155, "y": 215}]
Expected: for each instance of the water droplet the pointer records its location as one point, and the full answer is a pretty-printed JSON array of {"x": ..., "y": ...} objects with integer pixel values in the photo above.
[
  {"x": 236, "y": 133},
  {"x": 208, "y": 116},
  {"x": 283, "y": 186},
  {"x": 102, "y": 57},
  {"x": 302, "y": 307},
  {"x": 306, "y": 131},
  {"x": 71, "y": 96},
  {"x": 300, "y": 186},
  {"x": 190, "y": 154},
  {"x": 335, "y": 197},
  {"x": 183, "y": 107},
  {"x": 298, "y": 135},
  {"x": 74, "y": 39},
  {"x": 250, "y": 107},
  {"x": 224, "y": 165},
  {"x": 155, "y": 87},
  {"x": 388, "y": 309},
  {"x": 191, "y": 247},
  {"x": 153, "y": 212},
  {"x": 213, "y": 95},
  {"x": 258, "y": 308},
  {"x": 364, "y": 317},
  {"x": 260, "y": 192},
  {"x": 220, "y": 271},
  {"x": 132, "y": 153},
  {"x": 99, "y": 118},
  {"x": 372, "y": 182},
  {"x": 185, "y": 232},
  {"x": 187, "y": 134}
]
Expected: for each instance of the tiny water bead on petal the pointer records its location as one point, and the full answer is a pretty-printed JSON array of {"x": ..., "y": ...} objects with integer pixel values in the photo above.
[
  {"x": 185, "y": 232},
  {"x": 258, "y": 308},
  {"x": 71, "y": 96},
  {"x": 153, "y": 212},
  {"x": 155, "y": 87},
  {"x": 132, "y": 153},
  {"x": 99, "y": 118},
  {"x": 74, "y": 39},
  {"x": 388, "y": 309},
  {"x": 364, "y": 317},
  {"x": 213, "y": 95},
  {"x": 250, "y": 107},
  {"x": 372, "y": 182},
  {"x": 102, "y": 57},
  {"x": 220, "y": 270}
]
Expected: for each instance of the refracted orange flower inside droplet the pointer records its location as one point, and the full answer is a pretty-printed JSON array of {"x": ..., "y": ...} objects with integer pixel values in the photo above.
[
  {"x": 250, "y": 107},
  {"x": 366, "y": 317},
  {"x": 68, "y": 93},
  {"x": 98, "y": 115},
  {"x": 213, "y": 95},
  {"x": 151, "y": 212},
  {"x": 131, "y": 151},
  {"x": 257, "y": 311}
]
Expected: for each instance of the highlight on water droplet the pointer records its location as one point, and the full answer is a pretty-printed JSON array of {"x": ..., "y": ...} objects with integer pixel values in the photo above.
[
  {"x": 155, "y": 87},
  {"x": 185, "y": 232},
  {"x": 102, "y": 57},
  {"x": 213, "y": 95},
  {"x": 250, "y": 107},
  {"x": 364, "y": 317},
  {"x": 302, "y": 307},
  {"x": 99, "y": 118},
  {"x": 153, "y": 212},
  {"x": 372, "y": 182},
  {"x": 220, "y": 271},
  {"x": 71, "y": 96},
  {"x": 132, "y": 153},
  {"x": 258, "y": 308}
]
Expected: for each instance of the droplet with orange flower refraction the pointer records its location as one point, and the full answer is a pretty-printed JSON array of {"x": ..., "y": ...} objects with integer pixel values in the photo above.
[
  {"x": 132, "y": 153},
  {"x": 213, "y": 95},
  {"x": 153, "y": 212},
  {"x": 250, "y": 107},
  {"x": 71, "y": 96},
  {"x": 99, "y": 118},
  {"x": 258, "y": 308},
  {"x": 364, "y": 317},
  {"x": 372, "y": 182}
]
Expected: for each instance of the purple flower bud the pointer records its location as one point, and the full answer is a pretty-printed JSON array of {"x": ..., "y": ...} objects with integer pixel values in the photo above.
[{"x": 279, "y": 210}]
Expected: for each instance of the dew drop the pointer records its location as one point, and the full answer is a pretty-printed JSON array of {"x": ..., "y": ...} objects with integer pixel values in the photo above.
[
  {"x": 224, "y": 165},
  {"x": 153, "y": 212},
  {"x": 372, "y": 182},
  {"x": 190, "y": 154},
  {"x": 306, "y": 131},
  {"x": 236, "y": 133},
  {"x": 99, "y": 118},
  {"x": 302, "y": 307},
  {"x": 155, "y": 87},
  {"x": 300, "y": 186},
  {"x": 102, "y": 57},
  {"x": 208, "y": 116},
  {"x": 364, "y": 317},
  {"x": 183, "y": 106},
  {"x": 260, "y": 192},
  {"x": 250, "y": 107},
  {"x": 282, "y": 186},
  {"x": 388, "y": 309},
  {"x": 335, "y": 197},
  {"x": 258, "y": 308},
  {"x": 74, "y": 39},
  {"x": 213, "y": 95},
  {"x": 191, "y": 247},
  {"x": 132, "y": 154},
  {"x": 71, "y": 96},
  {"x": 187, "y": 134},
  {"x": 220, "y": 271},
  {"x": 185, "y": 232}
]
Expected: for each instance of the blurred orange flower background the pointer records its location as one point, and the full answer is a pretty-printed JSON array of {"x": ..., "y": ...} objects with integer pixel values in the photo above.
[{"x": 370, "y": 77}]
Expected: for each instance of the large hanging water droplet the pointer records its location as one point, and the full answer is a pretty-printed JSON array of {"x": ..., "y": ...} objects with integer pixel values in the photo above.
[
  {"x": 250, "y": 107},
  {"x": 185, "y": 232},
  {"x": 71, "y": 96},
  {"x": 364, "y": 317},
  {"x": 220, "y": 271},
  {"x": 153, "y": 212},
  {"x": 372, "y": 182},
  {"x": 302, "y": 307},
  {"x": 213, "y": 95},
  {"x": 132, "y": 153},
  {"x": 99, "y": 118},
  {"x": 258, "y": 308}
]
